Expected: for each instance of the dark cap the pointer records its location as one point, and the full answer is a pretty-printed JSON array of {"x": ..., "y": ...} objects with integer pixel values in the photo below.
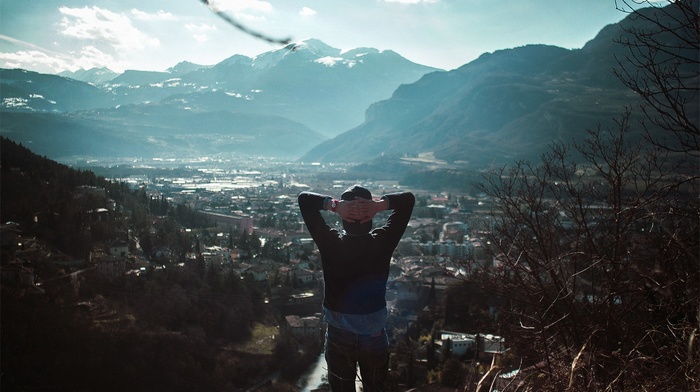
[{"x": 356, "y": 191}]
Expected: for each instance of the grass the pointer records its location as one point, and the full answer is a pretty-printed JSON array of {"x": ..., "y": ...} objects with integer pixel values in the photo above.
[{"x": 262, "y": 341}]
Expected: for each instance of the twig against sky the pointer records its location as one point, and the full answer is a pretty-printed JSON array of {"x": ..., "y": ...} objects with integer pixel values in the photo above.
[{"x": 236, "y": 24}]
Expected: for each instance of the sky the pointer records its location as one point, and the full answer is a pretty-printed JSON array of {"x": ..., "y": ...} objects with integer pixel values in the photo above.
[{"x": 51, "y": 36}]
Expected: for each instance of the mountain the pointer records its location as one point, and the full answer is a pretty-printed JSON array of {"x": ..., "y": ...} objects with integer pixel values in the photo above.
[
  {"x": 308, "y": 81},
  {"x": 96, "y": 76},
  {"x": 60, "y": 117},
  {"x": 281, "y": 103},
  {"x": 34, "y": 92},
  {"x": 132, "y": 131},
  {"x": 504, "y": 106},
  {"x": 184, "y": 67},
  {"x": 501, "y": 106}
]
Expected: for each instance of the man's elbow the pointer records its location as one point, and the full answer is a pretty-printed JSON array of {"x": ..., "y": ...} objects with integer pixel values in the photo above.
[
  {"x": 302, "y": 195},
  {"x": 410, "y": 199},
  {"x": 304, "y": 199}
]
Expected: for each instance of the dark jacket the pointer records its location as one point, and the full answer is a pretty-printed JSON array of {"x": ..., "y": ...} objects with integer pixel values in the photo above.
[{"x": 356, "y": 267}]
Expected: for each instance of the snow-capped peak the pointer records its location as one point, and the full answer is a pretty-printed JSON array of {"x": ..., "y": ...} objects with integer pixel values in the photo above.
[{"x": 317, "y": 49}]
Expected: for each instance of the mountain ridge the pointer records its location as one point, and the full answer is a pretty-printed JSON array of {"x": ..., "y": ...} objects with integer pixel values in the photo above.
[
  {"x": 351, "y": 106},
  {"x": 503, "y": 105},
  {"x": 301, "y": 82},
  {"x": 506, "y": 105}
]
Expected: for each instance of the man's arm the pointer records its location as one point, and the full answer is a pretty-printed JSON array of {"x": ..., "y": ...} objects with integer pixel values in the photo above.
[
  {"x": 311, "y": 204},
  {"x": 402, "y": 206},
  {"x": 348, "y": 210}
]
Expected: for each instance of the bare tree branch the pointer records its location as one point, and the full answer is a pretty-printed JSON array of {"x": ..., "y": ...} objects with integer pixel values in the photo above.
[{"x": 241, "y": 27}]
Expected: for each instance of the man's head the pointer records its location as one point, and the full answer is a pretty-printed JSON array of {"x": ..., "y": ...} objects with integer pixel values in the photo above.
[{"x": 350, "y": 194}]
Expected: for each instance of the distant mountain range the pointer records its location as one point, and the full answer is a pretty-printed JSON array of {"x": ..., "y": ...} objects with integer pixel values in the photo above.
[
  {"x": 309, "y": 100},
  {"x": 281, "y": 103},
  {"x": 96, "y": 76}
]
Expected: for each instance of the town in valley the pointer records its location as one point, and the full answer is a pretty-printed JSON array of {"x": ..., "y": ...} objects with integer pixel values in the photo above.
[{"x": 254, "y": 231}]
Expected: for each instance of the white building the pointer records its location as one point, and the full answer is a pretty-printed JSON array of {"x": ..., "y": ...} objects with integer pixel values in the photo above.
[
  {"x": 119, "y": 248},
  {"x": 456, "y": 344},
  {"x": 459, "y": 344}
]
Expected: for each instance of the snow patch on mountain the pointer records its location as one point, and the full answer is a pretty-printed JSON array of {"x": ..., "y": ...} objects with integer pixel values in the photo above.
[
  {"x": 358, "y": 52},
  {"x": 316, "y": 47},
  {"x": 15, "y": 102},
  {"x": 329, "y": 61}
]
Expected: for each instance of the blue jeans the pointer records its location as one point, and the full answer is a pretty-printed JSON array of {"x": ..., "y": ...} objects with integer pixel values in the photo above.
[{"x": 345, "y": 350}]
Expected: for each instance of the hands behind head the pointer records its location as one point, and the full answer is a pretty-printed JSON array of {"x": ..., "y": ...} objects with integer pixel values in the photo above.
[{"x": 362, "y": 210}]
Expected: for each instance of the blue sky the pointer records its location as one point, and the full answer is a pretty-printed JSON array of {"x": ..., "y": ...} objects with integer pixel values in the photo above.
[{"x": 52, "y": 36}]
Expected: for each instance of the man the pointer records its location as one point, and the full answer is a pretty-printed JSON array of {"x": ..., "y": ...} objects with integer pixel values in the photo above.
[{"x": 355, "y": 270}]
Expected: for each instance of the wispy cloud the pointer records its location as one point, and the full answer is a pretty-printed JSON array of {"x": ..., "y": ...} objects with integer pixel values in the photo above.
[
  {"x": 103, "y": 37},
  {"x": 97, "y": 24},
  {"x": 306, "y": 11},
  {"x": 91, "y": 57},
  {"x": 160, "y": 15},
  {"x": 28, "y": 59},
  {"x": 200, "y": 31},
  {"x": 243, "y": 10},
  {"x": 241, "y": 5},
  {"x": 88, "y": 57},
  {"x": 37, "y": 57},
  {"x": 28, "y": 44}
]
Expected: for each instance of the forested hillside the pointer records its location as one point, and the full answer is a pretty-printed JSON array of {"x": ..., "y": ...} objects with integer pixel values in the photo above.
[{"x": 165, "y": 329}]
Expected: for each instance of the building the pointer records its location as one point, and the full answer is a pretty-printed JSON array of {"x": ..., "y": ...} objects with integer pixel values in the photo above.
[
  {"x": 111, "y": 267},
  {"x": 411, "y": 292},
  {"x": 304, "y": 275},
  {"x": 243, "y": 222},
  {"x": 456, "y": 344},
  {"x": 483, "y": 346},
  {"x": 448, "y": 248},
  {"x": 119, "y": 248},
  {"x": 87, "y": 190},
  {"x": 256, "y": 273},
  {"x": 304, "y": 326},
  {"x": 162, "y": 255}
]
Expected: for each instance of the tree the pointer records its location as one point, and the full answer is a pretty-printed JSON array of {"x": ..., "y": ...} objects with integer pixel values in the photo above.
[
  {"x": 451, "y": 373},
  {"x": 596, "y": 258},
  {"x": 662, "y": 65}
]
